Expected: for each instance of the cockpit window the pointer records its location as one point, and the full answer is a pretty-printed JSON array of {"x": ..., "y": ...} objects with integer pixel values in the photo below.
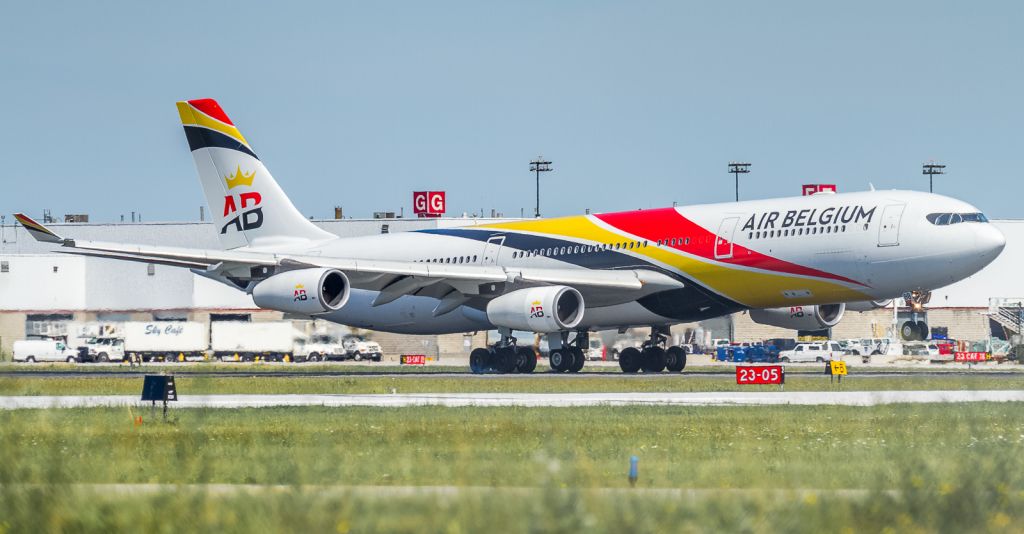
[{"x": 943, "y": 219}]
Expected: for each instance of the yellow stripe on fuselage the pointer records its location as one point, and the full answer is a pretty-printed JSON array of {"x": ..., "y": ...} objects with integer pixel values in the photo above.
[
  {"x": 755, "y": 289},
  {"x": 191, "y": 116}
]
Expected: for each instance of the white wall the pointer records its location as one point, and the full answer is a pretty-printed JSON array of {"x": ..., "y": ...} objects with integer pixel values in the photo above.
[{"x": 31, "y": 284}]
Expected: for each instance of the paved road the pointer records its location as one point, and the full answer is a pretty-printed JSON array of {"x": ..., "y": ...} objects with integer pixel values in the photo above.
[{"x": 806, "y": 398}]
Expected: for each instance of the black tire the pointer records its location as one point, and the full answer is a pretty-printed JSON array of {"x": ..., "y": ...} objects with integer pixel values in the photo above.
[
  {"x": 653, "y": 360},
  {"x": 478, "y": 360},
  {"x": 71, "y": 359},
  {"x": 30, "y": 359},
  {"x": 629, "y": 360},
  {"x": 526, "y": 360},
  {"x": 506, "y": 360},
  {"x": 560, "y": 360},
  {"x": 358, "y": 357},
  {"x": 313, "y": 357},
  {"x": 922, "y": 330},
  {"x": 784, "y": 359},
  {"x": 377, "y": 357},
  {"x": 908, "y": 331},
  {"x": 103, "y": 357},
  {"x": 819, "y": 359},
  {"x": 578, "y": 359},
  {"x": 675, "y": 359}
]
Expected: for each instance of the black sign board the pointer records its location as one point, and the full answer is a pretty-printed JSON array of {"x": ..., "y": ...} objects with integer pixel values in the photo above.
[{"x": 159, "y": 388}]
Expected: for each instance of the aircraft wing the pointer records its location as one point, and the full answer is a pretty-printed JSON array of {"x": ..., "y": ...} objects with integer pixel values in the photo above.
[{"x": 392, "y": 278}]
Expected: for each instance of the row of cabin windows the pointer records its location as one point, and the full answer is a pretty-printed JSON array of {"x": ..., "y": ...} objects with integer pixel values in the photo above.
[
  {"x": 453, "y": 259},
  {"x": 577, "y": 249},
  {"x": 790, "y": 232}
]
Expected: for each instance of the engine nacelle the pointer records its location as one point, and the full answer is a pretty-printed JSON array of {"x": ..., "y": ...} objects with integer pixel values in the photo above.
[
  {"x": 817, "y": 317},
  {"x": 867, "y": 305},
  {"x": 304, "y": 291},
  {"x": 537, "y": 309}
]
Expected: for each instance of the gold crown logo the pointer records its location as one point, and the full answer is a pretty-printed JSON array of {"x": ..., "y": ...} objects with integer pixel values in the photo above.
[
  {"x": 299, "y": 286},
  {"x": 240, "y": 178}
]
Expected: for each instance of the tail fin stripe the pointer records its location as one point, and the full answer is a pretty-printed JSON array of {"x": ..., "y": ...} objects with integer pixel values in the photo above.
[
  {"x": 199, "y": 137},
  {"x": 193, "y": 117},
  {"x": 210, "y": 107}
]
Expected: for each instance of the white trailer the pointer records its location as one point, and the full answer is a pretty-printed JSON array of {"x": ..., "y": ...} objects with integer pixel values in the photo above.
[
  {"x": 272, "y": 340},
  {"x": 169, "y": 341}
]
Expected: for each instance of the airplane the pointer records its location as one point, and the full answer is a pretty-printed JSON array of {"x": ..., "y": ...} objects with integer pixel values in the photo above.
[{"x": 796, "y": 263}]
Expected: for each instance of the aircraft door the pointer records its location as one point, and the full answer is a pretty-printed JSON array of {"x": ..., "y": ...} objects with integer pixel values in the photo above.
[
  {"x": 723, "y": 241},
  {"x": 889, "y": 229},
  {"x": 491, "y": 249}
]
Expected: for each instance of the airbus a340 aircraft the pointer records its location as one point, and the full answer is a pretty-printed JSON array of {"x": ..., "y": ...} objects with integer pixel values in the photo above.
[{"x": 793, "y": 262}]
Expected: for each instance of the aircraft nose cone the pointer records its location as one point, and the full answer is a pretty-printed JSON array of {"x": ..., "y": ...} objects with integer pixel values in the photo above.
[{"x": 989, "y": 241}]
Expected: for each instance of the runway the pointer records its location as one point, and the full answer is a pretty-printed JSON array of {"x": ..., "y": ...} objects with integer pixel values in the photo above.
[{"x": 795, "y": 398}]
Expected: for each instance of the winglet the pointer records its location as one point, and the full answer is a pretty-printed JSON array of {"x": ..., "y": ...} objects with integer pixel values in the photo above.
[{"x": 38, "y": 231}]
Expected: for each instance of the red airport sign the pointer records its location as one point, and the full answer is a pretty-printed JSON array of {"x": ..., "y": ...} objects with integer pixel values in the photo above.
[
  {"x": 970, "y": 356},
  {"x": 761, "y": 374},
  {"x": 428, "y": 203},
  {"x": 414, "y": 359},
  {"x": 810, "y": 189}
]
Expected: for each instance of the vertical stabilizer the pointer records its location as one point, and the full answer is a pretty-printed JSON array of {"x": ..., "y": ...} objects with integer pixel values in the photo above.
[{"x": 247, "y": 205}]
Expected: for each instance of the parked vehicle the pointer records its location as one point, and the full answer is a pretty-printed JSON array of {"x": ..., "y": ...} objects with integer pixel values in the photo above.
[
  {"x": 167, "y": 341},
  {"x": 242, "y": 341},
  {"x": 596, "y": 349},
  {"x": 43, "y": 350},
  {"x": 359, "y": 349},
  {"x": 104, "y": 349},
  {"x": 813, "y": 352},
  {"x": 320, "y": 347}
]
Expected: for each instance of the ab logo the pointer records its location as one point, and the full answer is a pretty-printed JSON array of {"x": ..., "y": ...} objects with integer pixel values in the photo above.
[
  {"x": 300, "y": 293},
  {"x": 246, "y": 220},
  {"x": 536, "y": 310}
]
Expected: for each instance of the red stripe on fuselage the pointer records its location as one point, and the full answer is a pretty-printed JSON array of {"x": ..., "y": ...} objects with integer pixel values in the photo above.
[{"x": 666, "y": 224}]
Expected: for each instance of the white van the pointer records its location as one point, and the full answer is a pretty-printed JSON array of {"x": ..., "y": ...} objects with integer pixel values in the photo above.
[
  {"x": 821, "y": 351},
  {"x": 43, "y": 350}
]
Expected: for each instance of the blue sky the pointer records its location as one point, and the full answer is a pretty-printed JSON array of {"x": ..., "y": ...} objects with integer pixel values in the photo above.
[{"x": 638, "y": 104}]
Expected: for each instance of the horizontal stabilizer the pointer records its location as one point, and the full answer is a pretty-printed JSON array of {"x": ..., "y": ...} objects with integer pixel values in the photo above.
[{"x": 38, "y": 231}]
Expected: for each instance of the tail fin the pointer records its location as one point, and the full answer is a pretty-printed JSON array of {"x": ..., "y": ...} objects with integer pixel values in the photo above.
[{"x": 250, "y": 209}]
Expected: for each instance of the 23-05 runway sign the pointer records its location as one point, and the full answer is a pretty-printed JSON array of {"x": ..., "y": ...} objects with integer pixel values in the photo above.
[{"x": 762, "y": 374}]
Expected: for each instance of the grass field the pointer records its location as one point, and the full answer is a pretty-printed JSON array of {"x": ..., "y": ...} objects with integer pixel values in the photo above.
[
  {"x": 952, "y": 468},
  {"x": 114, "y": 385}
]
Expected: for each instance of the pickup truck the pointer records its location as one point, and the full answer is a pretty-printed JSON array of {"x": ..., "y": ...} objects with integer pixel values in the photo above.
[{"x": 821, "y": 351}]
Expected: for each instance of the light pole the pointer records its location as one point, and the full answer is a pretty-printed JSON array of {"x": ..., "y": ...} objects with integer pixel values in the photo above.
[
  {"x": 931, "y": 169},
  {"x": 538, "y": 166},
  {"x": 737, "y": 169}
]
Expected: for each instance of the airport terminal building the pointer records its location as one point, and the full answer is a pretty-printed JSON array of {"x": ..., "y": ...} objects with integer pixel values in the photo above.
[{"x": 42, "y": 289}]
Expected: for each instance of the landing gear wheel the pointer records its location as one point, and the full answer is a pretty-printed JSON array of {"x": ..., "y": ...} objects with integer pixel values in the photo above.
[
  {"x": 577, "y": 360},
  {"x": 675, "y": 359},
  {"x": 922, "y": 329},
  {"x": 629, "y": 360},
  {"x": 478, "y": 360},
  {"x": 560, "y": 360},
  {"x": 505, "y": 359},
  {"x": 526, "y": 360},
  {"x": 653, "y": 360},
  {"x": 911, "y": 331}
]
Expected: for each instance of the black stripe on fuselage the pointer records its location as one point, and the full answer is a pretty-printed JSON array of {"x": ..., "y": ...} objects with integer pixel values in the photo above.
[
  {"x": 692, "y": 302},
  {"x": 199, "y": 137}
]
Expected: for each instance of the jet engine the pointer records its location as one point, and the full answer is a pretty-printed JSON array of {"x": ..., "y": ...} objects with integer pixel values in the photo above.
[
  {"x": 304, "y": 291},
  {"x": 537, "y": 309},
  {"x": 817, "y": 317},
  {"x": 867, "y": 305}
]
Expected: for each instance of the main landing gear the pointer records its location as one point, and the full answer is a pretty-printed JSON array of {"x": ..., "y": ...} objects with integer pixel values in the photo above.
[
  {"x": 653, "y": 356},
  {"x": 568, "y": 357},
  {"x": 503, "y": 357}
]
